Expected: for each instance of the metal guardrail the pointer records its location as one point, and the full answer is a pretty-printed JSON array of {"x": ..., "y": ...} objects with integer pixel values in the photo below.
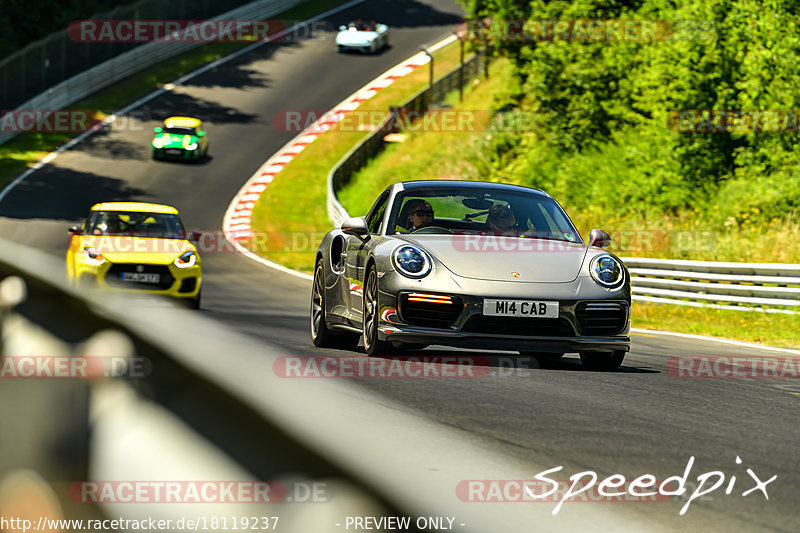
[
  {"x": 769, "y": 287},
  {"x": 132, "y": 61}
]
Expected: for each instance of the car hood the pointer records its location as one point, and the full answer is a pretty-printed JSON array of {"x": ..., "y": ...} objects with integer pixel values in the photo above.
[
  {"x": 499, "y": 258},
  {"x": 125, "y": 249},
  {"x": 176, "y": 141},
  {"x": 356, "y": 37}
]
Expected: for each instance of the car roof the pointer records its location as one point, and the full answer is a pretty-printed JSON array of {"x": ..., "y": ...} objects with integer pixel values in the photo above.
[
  {"x": 182, "y": 122},
  {"x": 139, "y": 207},
  {"x": 468, "y": 184}
]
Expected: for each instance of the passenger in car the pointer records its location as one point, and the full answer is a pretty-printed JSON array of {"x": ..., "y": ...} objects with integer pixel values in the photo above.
[{"x": 501, "y": 219}]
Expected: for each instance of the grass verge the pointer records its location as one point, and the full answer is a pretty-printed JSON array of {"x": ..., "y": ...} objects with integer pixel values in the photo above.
[
  {"x": 26, "y": 149},
  {"x": 775, "y": 329}
]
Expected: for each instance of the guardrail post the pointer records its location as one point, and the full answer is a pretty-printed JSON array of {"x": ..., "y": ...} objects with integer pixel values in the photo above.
[
  {"x": 430, "y": 77},
  {"x": 461, "y": 68}
]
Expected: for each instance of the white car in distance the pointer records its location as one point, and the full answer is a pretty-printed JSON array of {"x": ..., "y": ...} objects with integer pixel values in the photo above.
[{"x": 365, "y": 37}]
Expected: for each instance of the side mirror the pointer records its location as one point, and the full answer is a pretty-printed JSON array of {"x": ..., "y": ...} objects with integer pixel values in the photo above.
[
  {"x": 74, "y": 230},
  {"x": 157, "y": 129},
  {"x": 200, "y": 133},
  {"x": 342, "y": 28},
  {"x": 356, "y": 226},
  {"x": 195, "y": 236},
  {"x": 599, "y": 238}
]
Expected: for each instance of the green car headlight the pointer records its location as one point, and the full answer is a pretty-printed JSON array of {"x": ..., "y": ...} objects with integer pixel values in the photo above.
[
  {"x": 158, "y": 142},
  {"x": 191, "y": 146}
]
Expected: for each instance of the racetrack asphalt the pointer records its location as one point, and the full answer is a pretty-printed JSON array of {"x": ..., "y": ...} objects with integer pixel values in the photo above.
[{"x": 638, "y": 420}]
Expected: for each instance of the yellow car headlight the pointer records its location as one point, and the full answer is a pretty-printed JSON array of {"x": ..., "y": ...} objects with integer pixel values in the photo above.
[
  {"x": 92, "y": 256},
  {"x": 186, "y": 259}
]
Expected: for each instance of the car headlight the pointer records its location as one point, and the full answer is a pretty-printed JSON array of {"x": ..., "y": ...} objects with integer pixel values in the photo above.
[
  {"x": 158, "y": 142},
  {"x": 191, "y": 146},
  {"x": 186, "y": 259},
  {"x": 607, "y": 271},
  {"x": 92, "y": 256},
  {"x": 411, "y": 261}
]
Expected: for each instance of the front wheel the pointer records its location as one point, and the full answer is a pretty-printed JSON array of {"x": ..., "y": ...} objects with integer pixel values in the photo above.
[
  {"x": 371, "y": 313},
  {"x": 321, "y": 336},
  {"x": 603, "y": 361},
  {"x": 195, "y": 302}
]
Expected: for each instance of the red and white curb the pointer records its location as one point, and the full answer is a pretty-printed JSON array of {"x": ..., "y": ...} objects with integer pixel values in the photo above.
[{"x": 236, "y": 224}]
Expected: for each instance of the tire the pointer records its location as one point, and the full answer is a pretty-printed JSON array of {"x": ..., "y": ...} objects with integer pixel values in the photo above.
[
  {"x": 194, "y": 303},
  {"x": 370, "y": 315},
  {"x": 542, "y": 355},
  {"x": 321, "y": 336},
  {"x": 602, "y": 361}
]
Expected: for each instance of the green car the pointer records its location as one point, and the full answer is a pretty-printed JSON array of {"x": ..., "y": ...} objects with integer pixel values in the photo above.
[{"x": 180, "y": 138}]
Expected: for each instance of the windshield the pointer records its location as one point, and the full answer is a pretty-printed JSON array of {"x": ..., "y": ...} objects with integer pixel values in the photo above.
[
  {"x": 481, "y": 211},
  {"x": 136, "y": 224},
  {"x": 180, "y": 131}
]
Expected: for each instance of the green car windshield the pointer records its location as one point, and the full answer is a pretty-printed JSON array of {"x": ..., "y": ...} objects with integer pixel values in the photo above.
[
  {"x": 180, "y": 131},
  {"x": 481, "y": 211}
]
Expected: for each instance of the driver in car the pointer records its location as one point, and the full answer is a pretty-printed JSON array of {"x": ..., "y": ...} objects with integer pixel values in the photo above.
[{"x": 416, "y": 213}]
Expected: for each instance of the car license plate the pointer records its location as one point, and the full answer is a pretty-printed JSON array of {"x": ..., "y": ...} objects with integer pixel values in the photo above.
[
  {"x": 173, "y": 151},
  {"x": 527, "y": 308},
  {"x": 141, "y": 277}
]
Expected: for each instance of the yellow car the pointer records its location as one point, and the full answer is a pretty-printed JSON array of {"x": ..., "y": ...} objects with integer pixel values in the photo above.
[{"x": 135, "y": 246}]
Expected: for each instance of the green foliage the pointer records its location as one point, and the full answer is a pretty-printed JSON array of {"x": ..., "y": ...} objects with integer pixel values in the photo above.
[{"x": 605, "y": 135}]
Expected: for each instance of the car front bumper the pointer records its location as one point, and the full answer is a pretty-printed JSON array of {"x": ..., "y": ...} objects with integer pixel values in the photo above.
[
  {"x": 176, "y": 153},
  {"x": 183, "y": 283},
  {"x": 488, "y": 341}
]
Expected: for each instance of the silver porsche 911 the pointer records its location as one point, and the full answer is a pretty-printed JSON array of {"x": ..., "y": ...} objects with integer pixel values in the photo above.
[{"x": 474, "y": 265}]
